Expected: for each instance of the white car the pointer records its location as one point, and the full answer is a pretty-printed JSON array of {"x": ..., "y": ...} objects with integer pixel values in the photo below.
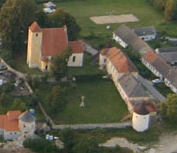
[{"x": 157, "y": 81}]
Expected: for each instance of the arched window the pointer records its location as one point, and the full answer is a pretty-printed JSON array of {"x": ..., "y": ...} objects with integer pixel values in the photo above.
[
  {"x": 74, "y": 58},
  {"x": 36, "y": 34}
]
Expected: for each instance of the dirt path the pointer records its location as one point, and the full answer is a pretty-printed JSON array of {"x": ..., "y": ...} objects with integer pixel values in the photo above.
[{"x": 167, "y": 144}]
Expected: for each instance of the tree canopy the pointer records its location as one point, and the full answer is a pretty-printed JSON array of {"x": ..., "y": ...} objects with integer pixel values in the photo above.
[
  {"x": 168, "y": 108},
  {"x": 59, "y": 64},
  {"x": 15, "y": 17}
]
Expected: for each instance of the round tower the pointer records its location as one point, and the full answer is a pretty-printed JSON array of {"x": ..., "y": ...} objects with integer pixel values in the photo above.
[
  {"x": 34, "y": 45},
  {"x": 141, "y": 117}
]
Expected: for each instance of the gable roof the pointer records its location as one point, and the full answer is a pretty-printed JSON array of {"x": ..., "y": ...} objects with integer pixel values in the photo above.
[
  {"x": 54, "y": 41},
  {"x": 34, "y": 27},
  {"x": 129, "y": 37},
  {"x": 9, "y": 121},
  {"x": 27, "y": 117},
  {"x": 104, "y": 51},
  {"x": 143, "y": 31},
  {"x": 162, "y": 67},
  {"x": 120, "y": 61},
  {"x": 168, "y": 54},
  {"x": 76, "y": 46},
  {"x": 132, "y": 87}
]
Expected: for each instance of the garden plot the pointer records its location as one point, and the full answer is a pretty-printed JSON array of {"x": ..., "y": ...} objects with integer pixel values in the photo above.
[{"x": 114, "y": 19}]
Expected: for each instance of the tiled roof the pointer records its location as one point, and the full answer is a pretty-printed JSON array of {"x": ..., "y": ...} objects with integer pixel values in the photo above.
[
  {"x": 141, "y": 109},
  {"x": 162, "y": 67},
  {"x": 129, "y": 37},
  {"x": 132, "y": 87},
  {"x": 104, "y": 51},
  {"x": 54, "y": 41},
  {"x": 9, "y": 122},
  {"x": 120, "y": 61},
  {"x": 27, "y": 117},
  {"x": 142, "y": 31},
  {"x": 34, "y": 27},
  {"x": 76, "y": 46},
  {"x": 13, "y": 115}
]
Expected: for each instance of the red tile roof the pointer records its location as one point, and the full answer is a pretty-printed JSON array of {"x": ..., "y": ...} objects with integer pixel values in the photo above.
[
  {"x": 54, "y": 41},
  {"x": 120, "y": 61},
  {"x": 76, "y": 46},
  {"x": 150, "y": 56},
  {"x": 9, "y": 122},
  {"x": 104, "y": 51},
  {"x": 34, "y": 27},
  {"x": 13, "y": 115}
]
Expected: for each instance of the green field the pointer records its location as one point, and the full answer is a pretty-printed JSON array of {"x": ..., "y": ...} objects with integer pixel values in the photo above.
[
  {"x": 102, "y": 101},
  {"x": 147, "y": 15}
]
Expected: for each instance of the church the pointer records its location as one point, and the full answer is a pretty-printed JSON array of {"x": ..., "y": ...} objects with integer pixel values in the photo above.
[{"x": 43, "y": 43}]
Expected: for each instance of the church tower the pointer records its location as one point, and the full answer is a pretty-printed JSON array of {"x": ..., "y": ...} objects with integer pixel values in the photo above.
[{"x": 34, "y": 46}]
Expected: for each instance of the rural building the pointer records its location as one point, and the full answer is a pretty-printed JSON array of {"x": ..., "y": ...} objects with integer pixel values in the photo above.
[
  {"x": 13, "y": 125},
  {"x": 141, "y": 118},
  {"x": 168, "y": 54},
  {"x": 126, "y": 37},
  {"x": 146, "y": 33},
  {"x": 125, "y": 77},
  {"x": 50, "y": 5},
  {"x": 161, "y": 69},
  {"x": 43, "y": 43}
]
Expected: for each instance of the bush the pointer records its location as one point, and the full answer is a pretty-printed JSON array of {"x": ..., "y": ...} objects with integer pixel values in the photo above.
[{"x": 40, "y": 146}]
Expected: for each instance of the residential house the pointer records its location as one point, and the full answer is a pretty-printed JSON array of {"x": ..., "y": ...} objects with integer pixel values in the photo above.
[
  {"x": 161, "y": 69},
  {"x": 50, "y": 5},
  {"x": 126, "y": 37},
  {"x": 12, "y": 125},
  {"x": 169, "y": 54},
  {"x": 146, "y": 33},
  {"x": 43, "y": 43}
]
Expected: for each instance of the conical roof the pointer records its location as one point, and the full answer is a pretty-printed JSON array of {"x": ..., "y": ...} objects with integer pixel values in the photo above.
[
  {"x": 141, "y": 109},
  {"x": 27, "y": 117}
]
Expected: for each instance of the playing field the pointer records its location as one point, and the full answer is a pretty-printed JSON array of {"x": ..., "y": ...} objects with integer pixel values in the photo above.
[{"x": 124, "y": 18}]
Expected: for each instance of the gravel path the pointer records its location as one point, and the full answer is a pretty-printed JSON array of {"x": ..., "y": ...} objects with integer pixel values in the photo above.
[{"x": 167, "y": 144}]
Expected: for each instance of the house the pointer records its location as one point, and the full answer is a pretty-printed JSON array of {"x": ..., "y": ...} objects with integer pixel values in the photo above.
[
  {"x": 161, "y": 69},
  {"x": 146, "y": 33},
  {"x": 50, "y": 5},
  {"x": 132, "y": 91},
  {"x": 13, "y": 126},
  {"x": 169, "y": 54},
  {"x": 43, "y": 43},
  {"x": 126, "y": 37}
]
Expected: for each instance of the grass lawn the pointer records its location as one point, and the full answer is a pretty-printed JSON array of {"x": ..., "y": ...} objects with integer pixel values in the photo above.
[
  {"x": 102, "y": 100},
  {"x": 147, "y": 15}
]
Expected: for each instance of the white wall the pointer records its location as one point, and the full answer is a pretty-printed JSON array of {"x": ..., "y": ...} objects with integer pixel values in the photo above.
[
  {"x": 76, "y": 60},
  {"x": 119, "y": 40},
  {"x": 102, "y": 60},
  {"x": 140, "y": 123},
  {"x": 11, "y": 135}
]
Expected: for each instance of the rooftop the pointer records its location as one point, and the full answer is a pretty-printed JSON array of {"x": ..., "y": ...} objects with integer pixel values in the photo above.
[{"x": 141, "y": 31}]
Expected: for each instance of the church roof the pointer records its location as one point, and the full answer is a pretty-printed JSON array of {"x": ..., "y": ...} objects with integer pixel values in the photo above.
[
  {"x": 27, "y": 117},
  {"x": 54, "y": 41},
  {"x": 34, "y": 27}
]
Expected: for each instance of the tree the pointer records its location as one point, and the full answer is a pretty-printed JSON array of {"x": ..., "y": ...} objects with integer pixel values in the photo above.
[
  {"x": 42, "y": 19},
  {"x": 171, "y": 10},
  {"x": 2, "y": 2},
  {"x": 57, "y": 98},
  {"x": 160, "y": 4},
  {"x": 86, "y": 145},
  {"x": 60, "y": 18},
  {"x": 40, "y": 145},
  {"x": 68, "y": 138},
  {"x": 59, "y": 64},
  {"x": 15, "y": 17},
  {"x": 168, "y": 109}
]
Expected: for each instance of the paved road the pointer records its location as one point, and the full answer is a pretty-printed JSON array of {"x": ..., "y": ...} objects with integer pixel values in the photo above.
[
  {"x": 150, "y": 87},
  {"x": 93, "y": 126}
]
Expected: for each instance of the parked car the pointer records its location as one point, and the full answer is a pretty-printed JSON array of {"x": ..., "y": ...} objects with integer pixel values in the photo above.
[{"x": 156, "y": 81}]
